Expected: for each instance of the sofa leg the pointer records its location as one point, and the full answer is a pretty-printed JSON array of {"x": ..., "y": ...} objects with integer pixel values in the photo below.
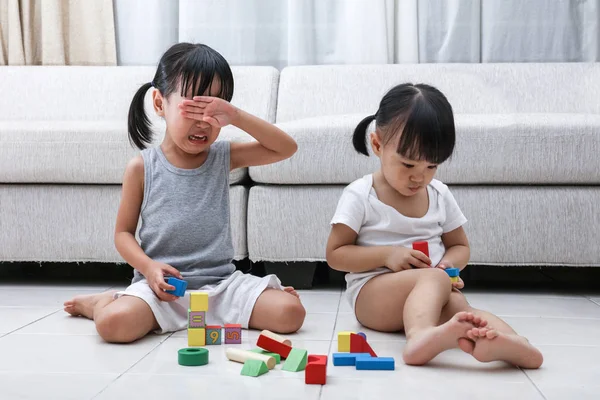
[{"x": 297, "y": 274}]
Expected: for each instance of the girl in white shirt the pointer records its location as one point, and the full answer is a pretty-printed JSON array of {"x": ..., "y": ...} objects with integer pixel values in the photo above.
[{"x": 379, "y": 216}]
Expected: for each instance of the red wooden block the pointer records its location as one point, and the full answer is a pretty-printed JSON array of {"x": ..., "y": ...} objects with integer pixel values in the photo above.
[
  {"x": 273, "y": 346},
  {"x": 358, "y": 344},
  {"x": 316, "y": 370},
  {"x": 423, "y": 247}
]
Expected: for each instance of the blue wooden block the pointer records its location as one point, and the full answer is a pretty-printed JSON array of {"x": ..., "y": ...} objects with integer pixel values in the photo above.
[
  {"x": 452, "y": 272},
  {"x": 347, "y": 359},
  {"x": 180, "y": 286},
  {"x": 375, "y": 363}
]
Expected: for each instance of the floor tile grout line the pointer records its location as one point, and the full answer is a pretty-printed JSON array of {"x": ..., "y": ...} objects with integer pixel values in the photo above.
[
  {"x": 533, "y": 383},
  {"x": 331, "y": 339},
  {"x": 131, "y": 366},
  {"x": 32, "y": 322},
  {"x": 593, "y": 301}
]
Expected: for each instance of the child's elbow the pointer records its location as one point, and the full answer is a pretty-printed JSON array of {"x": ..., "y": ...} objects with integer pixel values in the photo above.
[{"x": 293, "y": 148}]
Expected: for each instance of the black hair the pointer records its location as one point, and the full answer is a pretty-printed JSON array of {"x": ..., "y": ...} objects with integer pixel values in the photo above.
[
  {"x": 185, "y": 66},
  {"x": 423, "y": 117}
]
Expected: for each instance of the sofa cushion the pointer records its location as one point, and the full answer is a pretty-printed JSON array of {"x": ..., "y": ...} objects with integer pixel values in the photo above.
[
  {"x": 490, "y": 149},
  {"x": 503, "y": 88},
  {"x": 507, "y": 225},
  {"x": 75, "y": 152}
]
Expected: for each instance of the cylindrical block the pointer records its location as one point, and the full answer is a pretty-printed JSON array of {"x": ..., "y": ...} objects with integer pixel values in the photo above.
[
  {"x": 241, "y": 356},
  {"x": 192, "y": 357},
  {"x": 275, "y": 336}
]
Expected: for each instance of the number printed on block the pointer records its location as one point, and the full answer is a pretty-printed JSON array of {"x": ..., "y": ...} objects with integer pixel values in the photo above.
[
  {"x": 196, "y": 319},
  {"x": 233, "y": 334},
  {"x": 213, "y": 334}
]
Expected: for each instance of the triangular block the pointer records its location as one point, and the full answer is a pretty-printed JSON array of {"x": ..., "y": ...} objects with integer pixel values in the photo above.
[
  {"x": 358, "y": 344},
  {"x": 296, "y": 360},
  {"x": 254, "y": 368}
]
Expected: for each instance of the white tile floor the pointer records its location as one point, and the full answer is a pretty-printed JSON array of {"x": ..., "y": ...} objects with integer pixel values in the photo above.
[{"x": 46, "y": 354}]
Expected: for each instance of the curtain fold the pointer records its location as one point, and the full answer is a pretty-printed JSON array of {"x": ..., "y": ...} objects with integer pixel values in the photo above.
[
  {"x": 57, "y": 32},
  {"x": 304, "y": 32}
]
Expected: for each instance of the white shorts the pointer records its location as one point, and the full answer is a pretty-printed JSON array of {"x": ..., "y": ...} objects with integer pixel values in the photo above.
[
  {"x": 230, "y": 301},
  {"x": 356, "y": 281}
]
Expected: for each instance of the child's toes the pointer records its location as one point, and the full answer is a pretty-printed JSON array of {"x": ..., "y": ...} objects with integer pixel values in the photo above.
[
  {"x": 472, "y": 334},
  {"x": 491, "y": 334}
]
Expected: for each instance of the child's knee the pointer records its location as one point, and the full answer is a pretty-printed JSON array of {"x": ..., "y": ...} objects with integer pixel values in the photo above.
[
  {"x": 112, "y": 327},
  {"x": 291, "y": 316},
  {"x": 439, "y": 276}
]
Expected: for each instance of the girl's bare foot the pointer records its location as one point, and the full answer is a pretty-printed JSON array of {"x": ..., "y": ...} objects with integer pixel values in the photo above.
[
  {"x": 84, "y": 305},
  {"x": 424, "y": 345},
  {"x": 291, "y": 290},
  {"x": 491, "y": 345},
  {"x": 468, "y": 345}
]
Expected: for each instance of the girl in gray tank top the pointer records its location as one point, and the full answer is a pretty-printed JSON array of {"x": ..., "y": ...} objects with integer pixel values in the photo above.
[{"x": 178, "y": 194}]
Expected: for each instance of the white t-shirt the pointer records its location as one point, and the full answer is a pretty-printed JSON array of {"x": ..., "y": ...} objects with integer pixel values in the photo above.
[{"x": 378, "y": 224}]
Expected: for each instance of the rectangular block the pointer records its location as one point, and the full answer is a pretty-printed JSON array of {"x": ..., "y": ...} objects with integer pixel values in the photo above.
[
  {"x": 180, "y": 286},
  {"x": 452, "y": 272},
  {"x": 196, "y": 319},
  {"x": 454, "y": 279},
  {"x": 213, "y": 334},
  {"x": 265, "y": 342},
  {"x": 347, "y": 359},
  {"x": 423, "y": 247},
  {"x": 233, "y": 334},
  {"x": 196, "y": 337},
  {"x": 199, "y": 301},
  {"x": 316, "y": 370},
  {"x": 344, "y": 342},
  {"x": 375, "y": 363}
]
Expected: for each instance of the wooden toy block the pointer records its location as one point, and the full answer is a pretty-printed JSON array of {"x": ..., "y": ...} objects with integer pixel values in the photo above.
[
  {"x": 277, "y": 337},
  {"x": 344, "y": 342},
  {"x": 364, "y": 335},
  {"x": 316, "y": 370},
  {"x": 254, "y": 368},
  {"x": 276, "y": 356},
  {"x": 358, "y": 344},
  {"x": 199, "y": 301},
  {"x": 296, "y": 360},
  {"x": 347, "y": 359},
  {"x": 452, "y": 272},
  {"x": 192, "y": 357},
  {"x": 423, "y": 247},
  {"x": 180, "y": 286},
  {"x": 241, "y": 356},
  {"x": 233, "y": 334},
  {"x": 375, "y": 363},
  {"x": 273, "y": 346},
  {"x": 196, "y": 337},
  {"x": 213, "y": 334},
  {"x": 454, "y": 279},
  {"x": 196, "y": 319}
]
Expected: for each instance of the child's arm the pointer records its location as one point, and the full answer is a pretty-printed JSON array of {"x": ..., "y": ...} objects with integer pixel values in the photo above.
[
  {"x": 457, "y": 248},
  {"x": 126, "y": 226},
  {"x": 272, "y": 143},
  {"x": 344, "y": 255}
]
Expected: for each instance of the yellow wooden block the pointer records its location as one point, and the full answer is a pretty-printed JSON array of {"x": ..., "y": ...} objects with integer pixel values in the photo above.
[
  {"x": 198, "y": 301},
  {"x": 454, "y": 279},
  {"x": 344, "y": 342},
  {"x": 196, "y": 337}
]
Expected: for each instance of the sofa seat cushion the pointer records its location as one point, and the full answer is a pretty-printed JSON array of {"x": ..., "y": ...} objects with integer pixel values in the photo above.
[
  {"x": 75, "y": 152},
  {"x": 490, "y": 149}
]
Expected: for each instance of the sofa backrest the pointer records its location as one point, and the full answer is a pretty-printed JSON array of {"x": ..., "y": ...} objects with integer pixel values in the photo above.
[
  {"x": 312, "y": 91},
  {"x": 71, "y": 93}
]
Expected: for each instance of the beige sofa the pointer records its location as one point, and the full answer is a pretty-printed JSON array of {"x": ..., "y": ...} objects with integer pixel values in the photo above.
[{"x": 526, "y": 170}]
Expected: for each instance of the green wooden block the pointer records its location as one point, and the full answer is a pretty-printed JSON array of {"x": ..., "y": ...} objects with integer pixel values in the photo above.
[
  {"x": 254, "y": 368},
  {"x": 296, "y": 361},
  {"x": 276, "y": 356}
]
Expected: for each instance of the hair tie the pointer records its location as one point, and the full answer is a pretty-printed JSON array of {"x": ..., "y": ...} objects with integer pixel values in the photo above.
[{"x": 152, "y": 84}]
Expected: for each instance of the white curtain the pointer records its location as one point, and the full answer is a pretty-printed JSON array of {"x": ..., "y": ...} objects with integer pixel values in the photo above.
[{"x": 303, "y": 32}]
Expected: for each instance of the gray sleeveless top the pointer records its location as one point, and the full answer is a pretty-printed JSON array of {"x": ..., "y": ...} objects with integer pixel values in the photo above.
[{"x": 185, "y": 216}]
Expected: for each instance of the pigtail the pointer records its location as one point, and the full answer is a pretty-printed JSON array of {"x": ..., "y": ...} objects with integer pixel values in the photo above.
[
  {"x": 359, "y": 138},
  {"x": 138, "y": 124}
]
